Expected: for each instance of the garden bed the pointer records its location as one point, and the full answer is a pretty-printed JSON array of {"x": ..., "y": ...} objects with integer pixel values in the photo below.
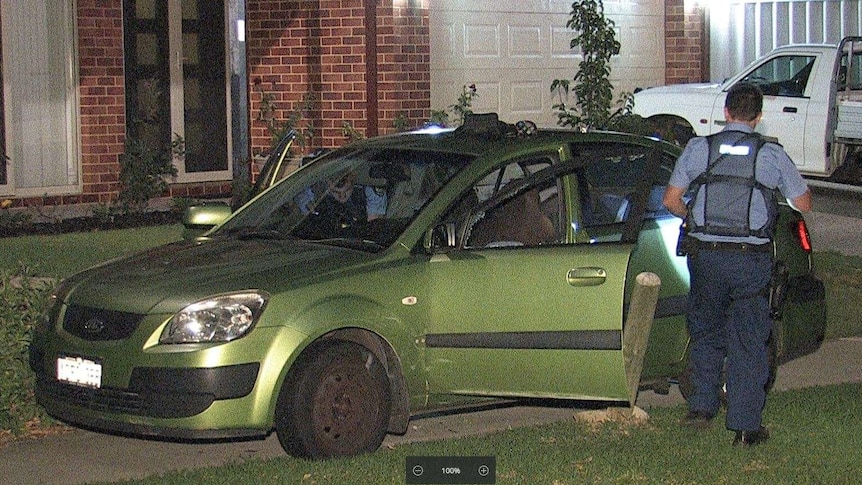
[{"x": 85, "y": 224}]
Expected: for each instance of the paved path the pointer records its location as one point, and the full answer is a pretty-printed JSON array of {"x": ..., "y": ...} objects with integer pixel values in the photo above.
[{"x": 830, "y": 232}]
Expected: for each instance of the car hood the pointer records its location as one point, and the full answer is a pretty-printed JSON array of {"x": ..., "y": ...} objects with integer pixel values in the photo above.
[
  {"x": 167, "y": 278},
  {"x": 700, "y": 88},
  {"x": 685, "y": 100}
]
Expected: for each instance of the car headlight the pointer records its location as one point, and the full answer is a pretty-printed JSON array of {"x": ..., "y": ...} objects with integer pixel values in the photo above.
[{"x": 218, "y": 319}]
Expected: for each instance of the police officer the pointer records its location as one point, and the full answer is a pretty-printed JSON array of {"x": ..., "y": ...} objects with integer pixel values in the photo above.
[{"x": 729, "y": 224}]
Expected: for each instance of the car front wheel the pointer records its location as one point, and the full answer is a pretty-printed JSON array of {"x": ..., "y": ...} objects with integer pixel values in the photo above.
[{"x": 335, "y": 403}]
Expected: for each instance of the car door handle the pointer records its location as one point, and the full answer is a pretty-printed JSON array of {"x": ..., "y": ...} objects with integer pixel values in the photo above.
[
  {"x": 586, "y": 276},
  {"x": 789, "y": 109}
]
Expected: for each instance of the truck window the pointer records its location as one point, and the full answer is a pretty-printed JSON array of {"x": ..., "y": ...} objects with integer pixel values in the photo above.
[{"x": 783, "y": 76}]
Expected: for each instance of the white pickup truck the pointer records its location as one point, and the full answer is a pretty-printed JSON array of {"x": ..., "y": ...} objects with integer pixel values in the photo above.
[{"x": 812, "y": 105}]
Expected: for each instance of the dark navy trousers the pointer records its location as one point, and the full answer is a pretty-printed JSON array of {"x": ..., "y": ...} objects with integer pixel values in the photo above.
[{"x": 728, "y": 318}]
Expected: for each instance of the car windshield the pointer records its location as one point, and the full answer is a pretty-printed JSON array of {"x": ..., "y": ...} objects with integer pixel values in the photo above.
[{"x": 355, "y": 197}]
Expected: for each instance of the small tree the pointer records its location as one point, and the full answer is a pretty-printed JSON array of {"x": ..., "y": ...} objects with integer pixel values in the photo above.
[
  {"x": 296, "y": 119},
  {"x": 143, "y": 171},
  {"x": 461, "y": 109},
  {"x": 592, "y": 88}
]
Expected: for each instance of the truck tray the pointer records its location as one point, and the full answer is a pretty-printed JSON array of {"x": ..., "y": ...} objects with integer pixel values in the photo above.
[{"x": 849, "y": 120}]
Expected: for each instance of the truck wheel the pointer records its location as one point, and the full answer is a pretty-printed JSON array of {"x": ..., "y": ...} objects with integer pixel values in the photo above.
[
  {"x": 686, "y": 387},
  {"x": 850, "y": 171},
  {"x": 335, "y": 403}
]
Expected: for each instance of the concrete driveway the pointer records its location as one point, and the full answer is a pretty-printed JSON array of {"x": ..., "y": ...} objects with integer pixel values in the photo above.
[
  {"x": 81, "y": 457},
  {"x": 830, "y": 232}
]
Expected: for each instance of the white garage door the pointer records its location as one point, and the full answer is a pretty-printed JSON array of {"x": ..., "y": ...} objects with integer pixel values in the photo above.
[{"x": 513, "y": 50}]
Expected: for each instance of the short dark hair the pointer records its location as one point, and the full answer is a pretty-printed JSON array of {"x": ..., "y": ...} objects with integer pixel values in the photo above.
[{"x": 744, "y": 101}]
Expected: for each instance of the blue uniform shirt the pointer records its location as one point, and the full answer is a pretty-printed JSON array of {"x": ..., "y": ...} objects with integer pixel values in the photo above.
[{"x": 775, "y": 169}]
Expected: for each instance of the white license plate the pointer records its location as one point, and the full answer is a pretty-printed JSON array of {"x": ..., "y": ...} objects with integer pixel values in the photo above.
[{"x": 79, "y": 371}]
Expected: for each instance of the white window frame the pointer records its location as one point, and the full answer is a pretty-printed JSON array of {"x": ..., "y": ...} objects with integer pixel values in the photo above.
[
  {"x": 177, "y": 93},
  {"x": 42, "y": 140}
]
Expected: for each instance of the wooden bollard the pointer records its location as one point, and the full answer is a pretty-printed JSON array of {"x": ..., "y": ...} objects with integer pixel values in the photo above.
[{"x": 637, "y": 327}]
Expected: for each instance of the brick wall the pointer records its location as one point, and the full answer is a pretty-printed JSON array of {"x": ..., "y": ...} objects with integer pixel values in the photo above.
[
  {"x": 404, "y": 59},
  {"x": 320, "y": 50},
  {"x": 686, "y": 43},
  {"x": 301, "y": 48},
  {"x": 102, "y": 97},
  {"x": 364, "y": 63}
]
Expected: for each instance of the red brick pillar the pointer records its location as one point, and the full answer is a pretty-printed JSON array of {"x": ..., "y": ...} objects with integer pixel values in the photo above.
[
  {"x": 686, "y": 42},
  {"x": 102, "y": 98},
  {"x": 328, "y": 49},
  {"x": 404, "y": 66}
]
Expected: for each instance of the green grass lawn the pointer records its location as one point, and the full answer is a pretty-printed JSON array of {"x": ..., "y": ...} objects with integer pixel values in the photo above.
[
  {"x": 843, "y": 278},
  {"x": 62, "y": 255},
  {"x": 815, "y": 434}
]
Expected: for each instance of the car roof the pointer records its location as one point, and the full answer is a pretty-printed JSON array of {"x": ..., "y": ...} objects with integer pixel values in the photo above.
[{"x": 488, "y": 140}]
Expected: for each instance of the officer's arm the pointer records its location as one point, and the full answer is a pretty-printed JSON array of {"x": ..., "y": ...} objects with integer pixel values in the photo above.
[
  {"x": 803, "y": 202},
  {"x": 673, "y": 201}
]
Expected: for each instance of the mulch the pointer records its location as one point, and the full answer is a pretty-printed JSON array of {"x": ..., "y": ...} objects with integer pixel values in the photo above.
[{"x": 85, "y": 224}]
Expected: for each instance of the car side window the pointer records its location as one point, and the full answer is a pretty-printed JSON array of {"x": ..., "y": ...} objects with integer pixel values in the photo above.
[
  {"x": 783, "y": 76},
  {"x": 516, "y": 205},
  {"x": 606, "y": 182}
]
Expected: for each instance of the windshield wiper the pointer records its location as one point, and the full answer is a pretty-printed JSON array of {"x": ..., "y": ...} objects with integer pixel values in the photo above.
[
  {"x": 247, "y": 233},
  {"x": 352, "y": 243}
]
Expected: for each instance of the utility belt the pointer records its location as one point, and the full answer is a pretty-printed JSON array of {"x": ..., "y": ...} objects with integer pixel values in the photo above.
[
  {"x": 689, "y": 245},
  {"x": 775, "y": 292}
]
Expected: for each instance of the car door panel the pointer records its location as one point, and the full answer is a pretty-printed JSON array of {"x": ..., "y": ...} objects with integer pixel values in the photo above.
[
  {"x": 510, "y": 322},
  {"x": 784, "y": 82}
]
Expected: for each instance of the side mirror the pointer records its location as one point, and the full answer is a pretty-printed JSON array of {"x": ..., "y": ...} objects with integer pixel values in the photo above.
[
  {"x": 440, "y": 237},
  {"x": 199, "y": 219}
]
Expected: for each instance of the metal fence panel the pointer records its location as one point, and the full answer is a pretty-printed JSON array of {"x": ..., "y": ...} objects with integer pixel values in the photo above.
[{"x": 743, "y": 30}]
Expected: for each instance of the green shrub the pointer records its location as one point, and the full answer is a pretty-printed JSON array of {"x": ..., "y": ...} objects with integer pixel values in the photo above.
[
  {"x": 460, "y": 109},
  {"x": 22, "y": 302},
  {"x": 591, "y": 85},
  {"x": 10, "y": 219},
  {"x": 143, "y": 172},
  {"x": 105, "y": 213},
  {"x": 180, "y": 204}
]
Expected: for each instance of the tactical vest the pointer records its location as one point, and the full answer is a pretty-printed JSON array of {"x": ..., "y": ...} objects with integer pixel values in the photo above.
[{"x": 728, "y": 188}]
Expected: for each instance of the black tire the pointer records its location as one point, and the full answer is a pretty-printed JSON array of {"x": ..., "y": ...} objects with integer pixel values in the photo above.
[
  {"x": 686, "y": 387},
  {"x": 335, "y": 402},
  {"x": 850, "y": 170}
]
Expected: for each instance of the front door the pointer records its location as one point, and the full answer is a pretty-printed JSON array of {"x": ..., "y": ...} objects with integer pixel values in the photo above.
[
  {"x": 538, "y": 322},
  {"x": 176, "y": 86},
  {"x": 786, "y": 96},
  {"x": 521, "y": 308}
]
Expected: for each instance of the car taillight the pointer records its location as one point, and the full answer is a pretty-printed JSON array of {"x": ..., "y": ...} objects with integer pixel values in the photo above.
[{"x": 803, "y": 236}]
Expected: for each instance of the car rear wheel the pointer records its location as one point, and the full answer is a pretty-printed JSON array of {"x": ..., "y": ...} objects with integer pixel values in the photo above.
[
  {"x": 686, "y": 387},
  {"x": 335, "y": 403}
]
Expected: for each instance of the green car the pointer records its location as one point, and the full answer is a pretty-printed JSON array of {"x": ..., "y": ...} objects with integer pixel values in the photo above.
[{"x": 393, "y": 276}]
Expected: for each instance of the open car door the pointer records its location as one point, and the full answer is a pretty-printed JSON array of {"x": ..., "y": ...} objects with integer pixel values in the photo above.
[{"x": 531, "y": 302}]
